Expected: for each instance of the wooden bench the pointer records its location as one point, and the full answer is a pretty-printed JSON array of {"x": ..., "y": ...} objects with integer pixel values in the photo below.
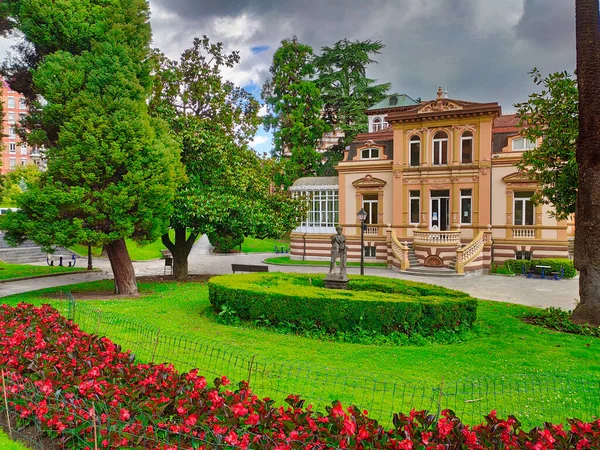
[
  {"x": 166, "y": 253},
  {"x": 168, "y": 257},
  {"x": 249, "y": 268}
]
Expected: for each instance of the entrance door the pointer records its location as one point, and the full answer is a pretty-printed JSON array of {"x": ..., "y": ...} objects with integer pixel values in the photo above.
[{"x": 440, "y": 211}]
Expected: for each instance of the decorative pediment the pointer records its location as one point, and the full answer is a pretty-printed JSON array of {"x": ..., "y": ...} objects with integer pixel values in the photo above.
[
  {"x": 439, "y": 106},
  {"x": 517, "y": 177},
  {"x": 369, "y": 182}
]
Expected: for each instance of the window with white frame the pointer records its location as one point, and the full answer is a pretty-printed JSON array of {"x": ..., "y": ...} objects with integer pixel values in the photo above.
[
  {"x": 440, "y": 149},
  {"x": 11, "y": 102},
  {"x": 12, "y": 147},
  {"x": 12, "y": 132},
  {"x": 369, "y": 153},
  {"x": 12, "y": 163},
  {"x": 370, "y": 251},
  {"x": 523, "y": 208},
  {"x": 23, "y": 149},
  {"x": 415, "y": 151},
  {"x": 22, "y": 103},
  {"x": 323, "y": 212},
  {"x": 415, "y": 206},
  {"x": 11, "y": 117},
  {"x": 23, "y": 161},
  {"x": 379, "y": 124},
  {"x": 370, "y": 204},
  {"x": 22, "y": 116},
  {"x": 466, "y": 148},
  {"x": 466, "y": 206},
  {"x": 523, "y": 144}
]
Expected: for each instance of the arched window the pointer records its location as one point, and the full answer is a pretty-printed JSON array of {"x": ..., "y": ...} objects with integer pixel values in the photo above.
[
  {"x": 440, "y": 149},
  {"x": 415, "y": 151},
  {"x": 466, "y": 148},
  {"x": 369, "y": 153},
  {"x": 377, "y": 124}
]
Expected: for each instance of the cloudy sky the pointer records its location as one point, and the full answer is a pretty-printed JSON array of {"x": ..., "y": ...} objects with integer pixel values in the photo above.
[{"x": 481, "y": 49}]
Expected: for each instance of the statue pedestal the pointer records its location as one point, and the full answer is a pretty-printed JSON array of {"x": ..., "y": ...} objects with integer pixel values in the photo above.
[{"x": 336, "y": 281}]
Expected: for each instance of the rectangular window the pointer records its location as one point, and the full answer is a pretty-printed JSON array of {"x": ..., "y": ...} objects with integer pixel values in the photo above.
[
  {"x": 23, "y": 149},
  {"x": 371, "y": 206},
  {"x": 466, "y": 201},
  {"x": 11, "y": 117},
  {"x": 370, "y": 251},
  {"x": 22, "y": 116},
  {"x": 415, "y": 206},
  {"x": 11, "y": 102},
  {"x": 523, "y": 212},
  {"x": 523, "y": 144},
  {"x": 12, "y": 133},
  {"x": 22, "y": 103},
  {"x": 323, "y": 209},
  {"x": 12, "y": 147},
  {"x": 12, "y": 163},
  {"x": 466, "y": 154},
  {"x": 23, "y": 161}
]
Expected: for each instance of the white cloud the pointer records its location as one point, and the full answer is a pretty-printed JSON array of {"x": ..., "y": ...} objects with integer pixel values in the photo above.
[{"x": 259, "y": 141}]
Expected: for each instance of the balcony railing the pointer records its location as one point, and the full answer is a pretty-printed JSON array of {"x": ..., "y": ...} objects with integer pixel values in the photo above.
[
  {"x": 436, "y": 237},
  {"x": 371, "y": 231},
  {"x": 523, "y": 233}
]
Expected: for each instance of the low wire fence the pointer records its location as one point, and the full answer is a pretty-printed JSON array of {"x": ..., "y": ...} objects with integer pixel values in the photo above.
[{"x": 533, "y": 399}]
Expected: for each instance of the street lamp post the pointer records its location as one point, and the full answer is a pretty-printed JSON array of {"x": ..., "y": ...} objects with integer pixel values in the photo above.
[{"x": 362, "y": 216}]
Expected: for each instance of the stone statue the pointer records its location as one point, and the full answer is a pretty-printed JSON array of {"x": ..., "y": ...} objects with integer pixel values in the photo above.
[{"x": 338, "y": 249}]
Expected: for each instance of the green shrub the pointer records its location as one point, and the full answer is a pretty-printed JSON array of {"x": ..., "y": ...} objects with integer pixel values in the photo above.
[
  {"x": 373, "y": 304},
  {"x": 560, "y": 320},
  {"x": 555, "y": 265},
  {"x": 224, "y": 242}
]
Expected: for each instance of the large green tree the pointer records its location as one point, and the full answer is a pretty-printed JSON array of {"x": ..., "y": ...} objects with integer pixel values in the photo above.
[
  {"x": 295, "y": 110},
  {"x": 552, "y": 114},
  {"x": 587, "y": 236},
  {"x": 346, "y": 90},
  {"x": 111, "y": 167},
  {"x": 226, "y": 193}
]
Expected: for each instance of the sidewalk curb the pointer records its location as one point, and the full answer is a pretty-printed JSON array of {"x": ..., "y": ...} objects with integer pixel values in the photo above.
[{"x": 49, "y": 275}]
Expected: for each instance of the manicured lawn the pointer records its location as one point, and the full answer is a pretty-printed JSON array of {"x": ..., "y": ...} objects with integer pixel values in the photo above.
[
  {"x": 253, "y": 245},
  {"x": 9, "y": 271},
  {"x": 7, "y": 444},
  {"x": 515, "y": 367},
  {"x": 287, "y": 260}
]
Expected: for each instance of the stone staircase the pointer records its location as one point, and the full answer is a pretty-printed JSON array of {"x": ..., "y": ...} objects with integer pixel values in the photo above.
[
  {"x": 571, "y": 247},
  {"x": 26, "y": 253},
  {"x": 418, "y": 269}
]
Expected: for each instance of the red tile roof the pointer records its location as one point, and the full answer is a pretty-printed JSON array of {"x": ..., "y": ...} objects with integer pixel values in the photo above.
[{"x": 507, "y": 121}]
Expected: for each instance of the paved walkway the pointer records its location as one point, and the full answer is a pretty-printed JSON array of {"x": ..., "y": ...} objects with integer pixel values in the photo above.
[{"x": 534, "y": 292}]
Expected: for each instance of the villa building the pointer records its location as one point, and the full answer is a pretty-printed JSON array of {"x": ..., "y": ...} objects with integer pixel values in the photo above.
[
  {"x": 15, "y": 153},
  {"x": 438, "y": 182}
]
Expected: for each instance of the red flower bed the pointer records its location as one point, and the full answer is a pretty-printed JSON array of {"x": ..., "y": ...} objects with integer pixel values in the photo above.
[{"x": 87, "y": 390}]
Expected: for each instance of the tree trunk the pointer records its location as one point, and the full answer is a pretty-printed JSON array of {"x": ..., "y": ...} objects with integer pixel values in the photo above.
[
  {"x": 122, "y": 268},
  {"x": 180, "y": 249},
  {"x": 587, "y": 235}
]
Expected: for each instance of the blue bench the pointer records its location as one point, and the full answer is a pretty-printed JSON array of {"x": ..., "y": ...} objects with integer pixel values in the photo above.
[
  {"x": 530, "y": 272},
  {"x": 281, "y": 249}
]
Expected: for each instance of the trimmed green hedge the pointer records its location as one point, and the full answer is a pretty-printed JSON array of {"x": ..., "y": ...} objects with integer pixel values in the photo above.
[
  {"x": 379, "y": 305},
  {"x": 555, "y": 263}
]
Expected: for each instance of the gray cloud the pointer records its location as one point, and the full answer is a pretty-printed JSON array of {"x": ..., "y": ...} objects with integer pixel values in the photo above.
[{"x": 482, "y": 49}]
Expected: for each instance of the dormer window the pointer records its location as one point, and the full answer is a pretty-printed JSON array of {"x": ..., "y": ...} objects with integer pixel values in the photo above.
[
  {"x": 523, "y": 144},
  {"x": 440, "y": 149},
  {"x": 369, "y": 153},
  {"x": 379, "y": 124}
]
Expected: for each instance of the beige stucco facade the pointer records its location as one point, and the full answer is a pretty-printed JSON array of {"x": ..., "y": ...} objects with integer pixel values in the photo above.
[{"x": 442, "y": 179}]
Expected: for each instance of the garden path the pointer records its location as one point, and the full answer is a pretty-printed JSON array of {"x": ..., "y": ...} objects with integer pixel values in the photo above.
[{"x": 534, "y": 292}]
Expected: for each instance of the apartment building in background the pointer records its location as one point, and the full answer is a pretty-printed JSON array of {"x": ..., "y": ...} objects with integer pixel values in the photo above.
[{"x": 14, "y": 152}]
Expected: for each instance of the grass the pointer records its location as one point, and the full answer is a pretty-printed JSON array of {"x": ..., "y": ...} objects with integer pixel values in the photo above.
[
  {"x": 253, "y": 245},
  {"x": 13, "y": 271},
  {"x": 7, "y": 444},
  {"x": 287, "y": 261},
  {"x": 535, "y": 373}
]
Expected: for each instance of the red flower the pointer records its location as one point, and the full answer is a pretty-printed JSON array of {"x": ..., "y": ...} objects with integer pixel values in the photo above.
[{"x": 124, "y": 414}]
